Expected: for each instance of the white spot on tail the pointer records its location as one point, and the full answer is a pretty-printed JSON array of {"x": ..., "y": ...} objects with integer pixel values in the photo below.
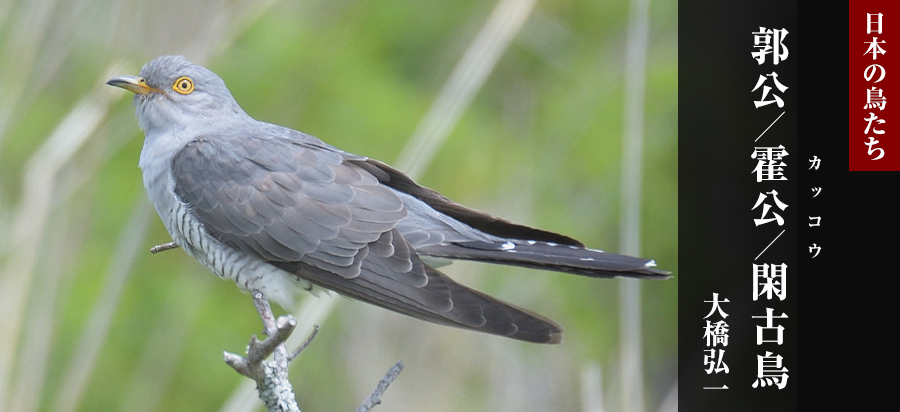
[
  {"x": 508, "y": 246},
  {"x": 650, "y": 264},
  {"x": 595, "y": 250},
  {"x": 531, "y": 242},
  {"x": 586, "y": 259}
]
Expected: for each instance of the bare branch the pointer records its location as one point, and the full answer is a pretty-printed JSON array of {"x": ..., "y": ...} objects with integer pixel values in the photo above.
[
  {"x": 259, "y": 351},
  {"x": 272, "y": 377},
  {"x": 265, "y": 312},
  {"x": 239, "y": 363},
  {"x": 374, "y": 398},
  {"x": 163, "y": 247}
]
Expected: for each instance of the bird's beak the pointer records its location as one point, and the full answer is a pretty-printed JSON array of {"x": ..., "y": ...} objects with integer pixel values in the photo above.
[{"x": 135, "y": 84}]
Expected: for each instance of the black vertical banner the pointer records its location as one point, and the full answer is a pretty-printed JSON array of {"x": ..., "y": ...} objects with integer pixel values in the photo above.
[{"x": 740, "y": 217}]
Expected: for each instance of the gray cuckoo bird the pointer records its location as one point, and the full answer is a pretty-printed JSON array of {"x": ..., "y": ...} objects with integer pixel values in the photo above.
[{"x": 275, "y": 210}]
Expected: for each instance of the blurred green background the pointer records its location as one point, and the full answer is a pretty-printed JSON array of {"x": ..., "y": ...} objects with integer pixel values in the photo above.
[{"x": 91, "y": 321}]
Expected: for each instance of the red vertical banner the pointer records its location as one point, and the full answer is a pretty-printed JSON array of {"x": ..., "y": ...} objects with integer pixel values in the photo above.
[{"x": 874, "y": 73}]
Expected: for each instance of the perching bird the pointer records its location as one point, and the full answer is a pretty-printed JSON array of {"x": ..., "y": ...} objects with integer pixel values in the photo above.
[{"x": 274, "y": 209}]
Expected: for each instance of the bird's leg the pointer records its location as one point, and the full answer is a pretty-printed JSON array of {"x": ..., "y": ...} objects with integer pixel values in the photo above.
[{"x": 163, "y": 247}]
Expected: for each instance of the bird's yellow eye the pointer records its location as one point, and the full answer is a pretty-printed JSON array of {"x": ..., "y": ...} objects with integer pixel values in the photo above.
[{"x": 183, "y": 85}]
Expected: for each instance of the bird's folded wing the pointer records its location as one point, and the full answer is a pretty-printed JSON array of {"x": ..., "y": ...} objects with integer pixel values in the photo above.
[
  {"x": 283, "y": 201},
  {"x": 304, "y": 209}
]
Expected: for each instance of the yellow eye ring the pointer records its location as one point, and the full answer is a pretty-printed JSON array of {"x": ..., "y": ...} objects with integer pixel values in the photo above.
[{"x": 183, "y": 85}]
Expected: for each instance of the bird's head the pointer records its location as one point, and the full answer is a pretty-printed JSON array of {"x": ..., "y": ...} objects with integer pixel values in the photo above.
[{"x": 174, "y": 94}]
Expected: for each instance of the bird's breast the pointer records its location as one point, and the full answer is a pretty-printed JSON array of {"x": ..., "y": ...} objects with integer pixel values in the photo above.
[{"x": 188, "y": 232}]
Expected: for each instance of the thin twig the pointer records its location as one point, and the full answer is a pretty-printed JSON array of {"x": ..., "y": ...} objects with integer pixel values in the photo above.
[
  {"x": 163, "y": 247},
  {"x": 305, "y": 343},
  {"x": 374, "y": 398}
]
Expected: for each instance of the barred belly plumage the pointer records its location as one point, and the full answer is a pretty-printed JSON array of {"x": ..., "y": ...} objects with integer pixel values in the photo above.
[{"x": 247, "y": 271}]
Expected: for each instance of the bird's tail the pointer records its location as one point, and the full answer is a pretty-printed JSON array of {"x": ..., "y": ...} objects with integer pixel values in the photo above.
[{"x": 550, "y": 256}]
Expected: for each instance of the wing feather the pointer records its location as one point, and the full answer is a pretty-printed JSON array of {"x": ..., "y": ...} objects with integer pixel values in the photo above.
[{"x": 283, "y": 200}]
